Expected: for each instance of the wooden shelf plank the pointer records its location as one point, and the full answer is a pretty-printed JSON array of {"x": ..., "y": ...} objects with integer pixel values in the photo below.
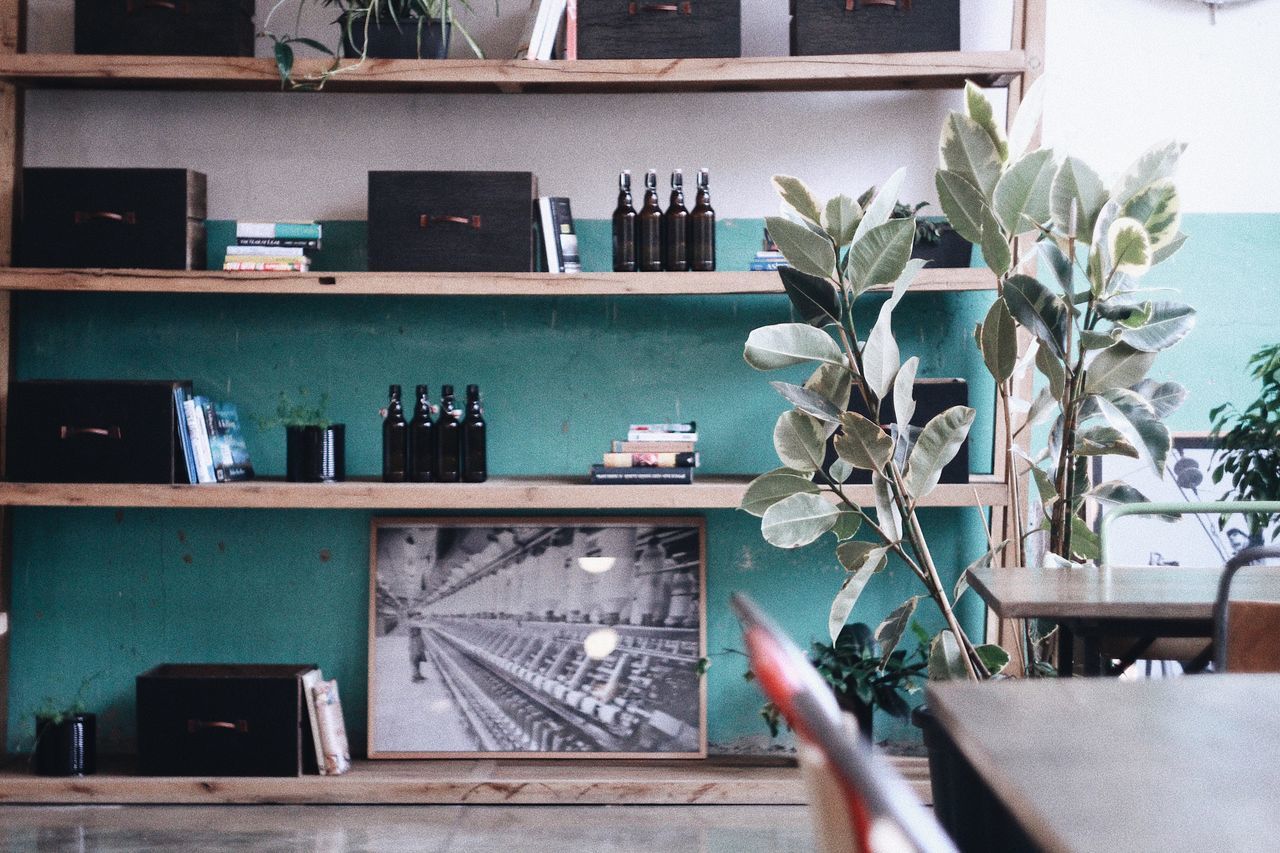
[
  {"x": 499, "y": 493},
  {"x": 480, "y": 782},
  {"x": 775, "y": 73},
  {"x": 443, "y": 284}
]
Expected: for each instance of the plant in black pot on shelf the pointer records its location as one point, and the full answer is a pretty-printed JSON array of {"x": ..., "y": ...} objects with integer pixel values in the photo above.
[
  {"x": 1248, "y": 442},
  {"x": 377, "y": 29},
  {"x": 862, "y": 677},
  {"x": 937, "y": 243},
  {"x": 66, "y": 739},
  {"x": 315, "y": 447}
]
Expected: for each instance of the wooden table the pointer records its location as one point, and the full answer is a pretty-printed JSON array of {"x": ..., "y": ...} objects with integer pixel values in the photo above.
[
  {"x": 1185, "y": 764},
  {"x": 1093, "y": 603}
]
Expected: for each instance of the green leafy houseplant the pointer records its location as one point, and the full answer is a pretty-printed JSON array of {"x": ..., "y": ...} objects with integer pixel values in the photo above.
[
  {"x": 1248, "y": 441},
  {"x": 862, "y": 677},
  {"x": 298, "y": 413},
  {"x": 1095, "y": 342},
  {"x": 357, "y": 17},
  {"x": 928, "y": 231}
]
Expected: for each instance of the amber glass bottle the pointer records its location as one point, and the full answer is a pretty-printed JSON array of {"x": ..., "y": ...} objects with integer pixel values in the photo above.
[
  {"x": 448, "y": 439},
  {"x": 395, "y": 441},
  {"x": 649, "y": 227},
  {"x": 624, "y": 228},
  {"x": 422, "y": 440},
  {"x": 702, "y": 227},
  {"x": 675, "y": 228},
  {"x": 475, "y": 468}
]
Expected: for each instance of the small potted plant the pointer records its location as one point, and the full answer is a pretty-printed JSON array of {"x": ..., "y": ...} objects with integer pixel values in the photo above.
[
  {"x": 66, "y": 742},
  {"x": 937, "y": 243},
  {"x": 373, "y": 29},
  {"x": 1248, "y": 442},
  {"x": 862, "y": 677},
  {"x": 315, "y": 447}
]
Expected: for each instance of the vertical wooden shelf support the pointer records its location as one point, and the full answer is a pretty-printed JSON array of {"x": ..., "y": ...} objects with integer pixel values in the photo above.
[{"x": 13, "y": 16}]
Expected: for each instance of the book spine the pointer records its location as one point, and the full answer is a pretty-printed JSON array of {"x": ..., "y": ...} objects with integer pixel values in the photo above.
[
  {"x": 205, "y": 405},
  {"x": 651, "y": 460},
  {"x": 260, "y": 266},
  {"x": 199, "y": 441},
  {"x": 566, "y": 236},
  {"x": 600, "y": 475},
  {"x": 550, "y": 245},
  {"x": 767, "y": 266},
  {"x": 571, "y": 30},
  {"x": 333, "y": 731},
  {"x": 274, "y": 241},
  {"x": 279, "y": 230},
  {"x": 276, "y": 251},
  {"x": 691, "y": 426},
  {"x": 662, "y": 436},
  {"x": 653, "y": 447},
  {"x": 184, "y": 433}
]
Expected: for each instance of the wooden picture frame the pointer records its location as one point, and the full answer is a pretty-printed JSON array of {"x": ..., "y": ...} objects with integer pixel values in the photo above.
[{"x": 528, "y": 638}]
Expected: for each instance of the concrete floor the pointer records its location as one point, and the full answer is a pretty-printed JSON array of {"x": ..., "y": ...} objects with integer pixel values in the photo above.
[{"x": 439, "y": 829}]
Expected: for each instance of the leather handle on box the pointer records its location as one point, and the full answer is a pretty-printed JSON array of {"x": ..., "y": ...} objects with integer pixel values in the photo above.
[
  {"x": 126, "y": 218},
  {"x": 181, "y": 6},
  {"x": 241, "y": 726},
  {"x": 426, "y": 220},
  {"x": 904, "y": 5},
  {"x": 112, "y": 432},
  {"x": 685, "y": 8}
]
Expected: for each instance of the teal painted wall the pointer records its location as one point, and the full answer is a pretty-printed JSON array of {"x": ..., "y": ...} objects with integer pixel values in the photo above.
[{"x": 115, "y": 592}]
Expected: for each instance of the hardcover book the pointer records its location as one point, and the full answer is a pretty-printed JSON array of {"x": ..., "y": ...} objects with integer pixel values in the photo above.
[
  {"x": 653, "y": 447},
  {"x": 602, "y": 475},
  {"x": 559, "y": 238},
  {"x": 651, "y": 460},
  {"x": 227, "y": 446},
  {"x": 333, "y": 731}
]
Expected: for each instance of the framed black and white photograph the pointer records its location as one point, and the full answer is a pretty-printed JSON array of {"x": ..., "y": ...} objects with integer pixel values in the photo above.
[
  {"x": 558, "y": 637},
  {"x": 1193, "y": 540}
]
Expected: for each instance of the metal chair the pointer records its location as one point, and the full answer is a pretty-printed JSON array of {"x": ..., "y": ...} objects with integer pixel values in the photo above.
[{"x": 1246, "y": 634}]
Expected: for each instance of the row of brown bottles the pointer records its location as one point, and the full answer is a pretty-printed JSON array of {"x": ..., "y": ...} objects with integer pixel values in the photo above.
[
  {"x": 675, "y": 240},
  {"x": 448, "y": 450}
]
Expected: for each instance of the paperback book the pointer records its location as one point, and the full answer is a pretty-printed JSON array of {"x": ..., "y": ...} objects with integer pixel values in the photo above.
[
  {"x": 601, "y": 474},
  {"x": 559, "y": 238}
]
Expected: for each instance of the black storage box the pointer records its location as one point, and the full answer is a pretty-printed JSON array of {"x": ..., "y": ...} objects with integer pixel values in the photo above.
[
  {"x": 624, "y": 29},
  {"x": 452, "y": 221},
  {"x": 951, "y": 251},
  {"x": 822, "y": 27},
  {"x": 933, "y": 397},
  {"x": 224, "y": 720},
  {"x": 115, "y": 218},
  {"x": 95, "y": 431},
  {"x": 165, "y": 27}
]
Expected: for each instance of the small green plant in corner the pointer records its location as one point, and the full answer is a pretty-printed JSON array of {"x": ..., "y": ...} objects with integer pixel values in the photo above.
[
  {"x": 357, "y": 17},
  {"x": 53, "y": 712},
  {"x": 299, "y": 412},
  {"x": 862, "y": 677},
  {"x": 1248, "y": 441}
]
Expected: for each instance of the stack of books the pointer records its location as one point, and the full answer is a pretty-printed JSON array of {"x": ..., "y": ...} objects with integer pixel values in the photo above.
[
  {"x": 272, "y": 247},
  {"x": 768, "y": 258},
  {"x": 653, "y": 454},
  {"x": 212, "y": 440}
]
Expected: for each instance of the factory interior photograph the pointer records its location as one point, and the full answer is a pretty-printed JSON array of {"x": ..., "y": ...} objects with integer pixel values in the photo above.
[{"x": 614, "y": 426}]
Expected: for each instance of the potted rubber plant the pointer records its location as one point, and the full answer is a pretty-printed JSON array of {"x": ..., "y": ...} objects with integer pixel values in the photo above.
[
  {"x": 1248, "y": 443},
  {"x": 372, "y": 29}
]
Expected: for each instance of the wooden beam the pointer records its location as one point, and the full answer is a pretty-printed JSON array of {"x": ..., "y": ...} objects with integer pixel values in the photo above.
[
  {"x": 537, "y": 492},
  {"x": 445, "y": 284},
  {"x": 886, "y": 71}
]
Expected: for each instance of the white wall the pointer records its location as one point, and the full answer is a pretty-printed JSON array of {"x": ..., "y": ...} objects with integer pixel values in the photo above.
[
  {"x": 305, "y": 156},
  {"x": 1125, "y": 73},
  {"x": 1130, "y": 72}
]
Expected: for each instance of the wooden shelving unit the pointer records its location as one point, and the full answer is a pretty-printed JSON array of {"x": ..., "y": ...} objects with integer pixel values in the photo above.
[
  {"x": 746, "y": 74},
  {"x": 510, "y": 493},
  {"x": 716, "y": 781},
  {"x": 478, "y": 781},
  {"x": 444, "y": 284}
]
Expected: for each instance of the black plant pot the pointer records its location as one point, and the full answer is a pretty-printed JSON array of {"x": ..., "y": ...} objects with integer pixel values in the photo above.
[
  {"x": 862, "y": 712},
  {"x": 415, "y": 38},
  {"x": 68, "y": 747},
  {"x": 951, "y": 251},
  {"x": 315, "y": 454},
  {"x": 962, "y": 802}
]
